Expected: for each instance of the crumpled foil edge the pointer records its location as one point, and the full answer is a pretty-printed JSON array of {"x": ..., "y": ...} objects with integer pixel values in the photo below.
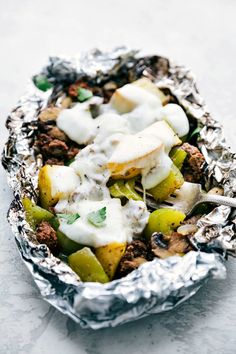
[{"x": 156, "y": 286}]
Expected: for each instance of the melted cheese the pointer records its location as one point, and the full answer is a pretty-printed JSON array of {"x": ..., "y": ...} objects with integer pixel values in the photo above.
[
  {"x": 77, "y": 123},
  {"x": 156, "y": 172},
  {"x": 117, "y": 227},
  {"x": 176, "y": 118},
  {"x": 108, "y": 124},
  {"x": 141, "y": 117}
]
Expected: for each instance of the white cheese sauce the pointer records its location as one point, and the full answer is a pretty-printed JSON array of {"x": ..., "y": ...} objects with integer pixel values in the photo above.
[{"x": 120, "y": 225}]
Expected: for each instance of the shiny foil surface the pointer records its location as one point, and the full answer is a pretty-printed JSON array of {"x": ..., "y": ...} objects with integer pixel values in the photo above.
[{"x": 155, "y": 286}]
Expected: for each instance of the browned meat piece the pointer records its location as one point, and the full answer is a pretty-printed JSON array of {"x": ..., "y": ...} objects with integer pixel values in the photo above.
[
  {"x": 55, "y": 151},
  {"x": 164, "y": 246},
  {"x": 55, "y": 148},
  {"x": 43, "y": 139},
  {"x": 194, "y": 157},
  {"x": 135, "y": 255},
  {"x": 56, "y": 133},
  {"x": 54, "y": 161},
  {"x": 194, "y": 162},
  {"x": 73, "y": 89},
  {"x": 97, "y": 91},
  {"x": 72, "y": 152},
  {"x": 47, "y": 235},
  {"x": 44, "y": 127},
  {"x": 49, "y": 114}
]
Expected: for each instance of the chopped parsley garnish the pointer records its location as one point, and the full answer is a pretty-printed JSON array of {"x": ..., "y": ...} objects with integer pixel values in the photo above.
[
  {"x": 42, "y": 83},
  {"x": 84, "y": 94},
  {"x": 98, "y": 217},
  {"x": 70, "y": 218}
]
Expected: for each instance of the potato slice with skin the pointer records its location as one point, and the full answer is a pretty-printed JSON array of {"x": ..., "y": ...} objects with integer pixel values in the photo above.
[
  {"x": 56, "y": 182},
  {"x": 174, "y": 181},
  {"x": 129, "y": 96},
  {"x": 87, "y": 266},
  {"x": 164, "y": 132},
  {"x": 149, "y": 86},
  {"x": 109, "y": 256},
  {"x": 132, "y": 155},
  {"x": 142, "y": 151}
]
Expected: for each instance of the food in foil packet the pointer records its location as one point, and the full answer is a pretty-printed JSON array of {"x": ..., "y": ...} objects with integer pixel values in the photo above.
[{"x": 107, "y": 168}]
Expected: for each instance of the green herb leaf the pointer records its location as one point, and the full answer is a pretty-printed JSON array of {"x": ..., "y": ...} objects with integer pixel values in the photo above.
[
  {"x": 69, "y": 161},
  {"x": 195, "y": 132},
  {"x": 98, "y": 217},
  {"x": 71, "y": 218},
  {"x": 84, "y": 94},
  {"x": 42, "y": 83}
]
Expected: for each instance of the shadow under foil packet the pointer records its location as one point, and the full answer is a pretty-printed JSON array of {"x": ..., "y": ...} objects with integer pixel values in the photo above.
[{"x": 155, "y": 286}]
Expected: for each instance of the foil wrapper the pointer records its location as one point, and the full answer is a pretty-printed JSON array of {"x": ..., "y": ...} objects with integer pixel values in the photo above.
[{"x": 155, "y": 286}]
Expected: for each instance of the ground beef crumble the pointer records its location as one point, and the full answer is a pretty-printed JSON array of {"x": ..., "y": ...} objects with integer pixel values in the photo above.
[
  {"x": 136, "y": 254},
  {"x": 54, "y": 161},
  {"x": 72, "y": 152},
  {"x": 194, "y": 163},
  {"x": 47, "y": 235},
  {"x": 56, "y": 133},
  {"x": 56, "y": 151}
]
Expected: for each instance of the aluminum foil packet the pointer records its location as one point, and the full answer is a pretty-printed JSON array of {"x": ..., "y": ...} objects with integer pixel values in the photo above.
[{"x": 155, "y": 286}]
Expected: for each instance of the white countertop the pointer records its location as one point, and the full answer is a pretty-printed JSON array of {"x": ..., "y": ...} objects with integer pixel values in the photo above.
[{"x": 200, "y": 34}]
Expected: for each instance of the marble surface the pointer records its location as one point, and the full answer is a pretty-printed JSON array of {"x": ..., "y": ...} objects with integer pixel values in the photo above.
[{"x": 200, "y": 34}]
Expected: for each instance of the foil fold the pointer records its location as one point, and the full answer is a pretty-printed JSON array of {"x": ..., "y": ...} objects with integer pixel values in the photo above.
[{"x": 156, "y": 286}]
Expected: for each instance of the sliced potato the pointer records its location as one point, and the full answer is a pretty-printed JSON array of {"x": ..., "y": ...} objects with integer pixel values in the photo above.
[
  {"x": 162, "y": 130},
  {"x": 163, "y": 220},
  {"x": 121, "y": 103},
  {"x": 133, "y": 154},
  {"x": 109, "y": 256},
  {"x": 87, "y": 266},
  {"x": 129, "y": 96},
  {"x": 168, "y": 186},
  {"x": 56, "y": 182},
  {"x": 149, "y": 86},
  {"x": 176, "y": 118},
  {"x": 142, "y": 151}
]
